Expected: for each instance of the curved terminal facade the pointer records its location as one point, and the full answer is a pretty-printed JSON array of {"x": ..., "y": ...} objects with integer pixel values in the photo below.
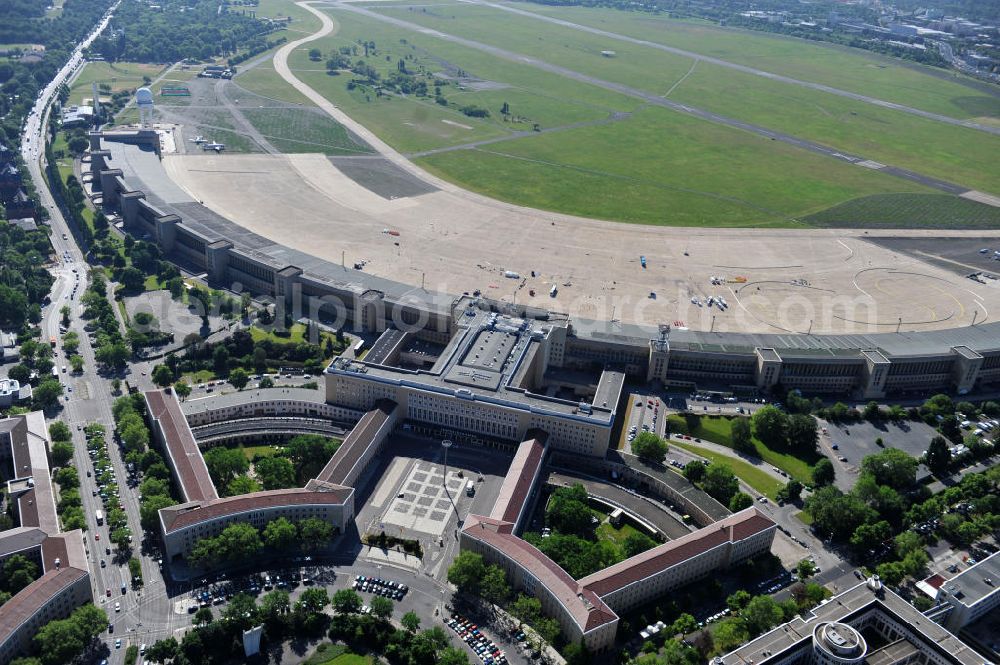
[{"x": 127, "y": 173}]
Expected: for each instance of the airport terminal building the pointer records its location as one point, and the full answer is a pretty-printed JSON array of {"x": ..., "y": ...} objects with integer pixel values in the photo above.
[{"x": 126, "y": 173}]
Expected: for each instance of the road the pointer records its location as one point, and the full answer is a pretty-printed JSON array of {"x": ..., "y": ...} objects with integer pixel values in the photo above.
[
  {"x": 745, "y": 69},
  {"x": 648, "y": 97},
  {"x": 88, "y": 399}
]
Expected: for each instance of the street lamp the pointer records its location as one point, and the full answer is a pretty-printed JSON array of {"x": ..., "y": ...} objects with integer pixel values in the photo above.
[{"x": 446, "y": 444}]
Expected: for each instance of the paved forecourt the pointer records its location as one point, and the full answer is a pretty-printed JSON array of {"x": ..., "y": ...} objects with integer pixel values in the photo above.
[{"x": 453, "y": 241}]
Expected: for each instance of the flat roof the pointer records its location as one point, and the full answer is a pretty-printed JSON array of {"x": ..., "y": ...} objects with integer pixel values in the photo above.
[
  {"x": 189, "y": 466},
  {"x": 734, "y": 528},
  {"x": 482, "y": 363},
  {"x": 190, "y": 407},
  {"x": 184, "y": 515},
  {"x": 970, "y": 586},
  {"x": 356, "y": 443},
  {"x": 517, "y": 483},
  {"x": 142, "y": 170},
  {"x": 776, "y": 645}
]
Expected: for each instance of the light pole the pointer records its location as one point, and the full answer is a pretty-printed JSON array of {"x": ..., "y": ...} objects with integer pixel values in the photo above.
[{"x": 446, "y": 444}]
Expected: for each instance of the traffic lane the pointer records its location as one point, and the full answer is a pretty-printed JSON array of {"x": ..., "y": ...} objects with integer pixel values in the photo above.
[{"x": 659, "y": 518}]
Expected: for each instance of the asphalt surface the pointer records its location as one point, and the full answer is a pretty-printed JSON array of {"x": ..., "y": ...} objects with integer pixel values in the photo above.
[{"x": 745, "y": 69}]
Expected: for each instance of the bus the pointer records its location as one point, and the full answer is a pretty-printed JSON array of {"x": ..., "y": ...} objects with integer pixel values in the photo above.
[
  {"x": 55, "y": 371},
  {"x": 470, "y": 489},
  {"x": 357, "y": 347}
]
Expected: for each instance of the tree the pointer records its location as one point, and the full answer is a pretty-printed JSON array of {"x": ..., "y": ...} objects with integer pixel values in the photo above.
[
  {"x": 837, "y": 514},
  {"x": 494, "y": 586},
  {"x": 684, "y": 624},
  {"x": 466, "y": 572},
  {"x": 938, "y": 456},
  {"x": 67, "y": 477},
  {"x": 47, "y": 393},
  {"x": 823, "y": 472},
  {"x": 62, "y": 453},
  {"x": 871, "y": 412},
  {"x": 792, "y": 491},
  {"x": 802, "y": 433},
  {"x": 274, "y": 604},
  {"x": 239, "y": 378},
  {"x": 162, "y": 650},
  {"x": 203, "y": 616},
  {"x": 310, "y": 453},
  {"x": 18, "y": 572},
  {"x": 741, "y": 436},
  {"x": 720, "y": 482},
  {"x": 410, "y": 621},
  {"x": 266, "y": 382},
  {"x": 182, "y": 389},
  {"x": 242, "y": 612},
  {"x": 869, "y": 536},
  {"x": 636, "y": 543},
  {"x": 315, "y": 599},
  {"x": 452, "y": 656},
  {"x": 771, "y": 426},
  {"x": 275, "y": 472},
  {"x": 526, "y": 608},
  {"x": 314, "y": 533},
  {"x": 730, "y": 633},
  {"x": 567, "y": 511},
  {"x": 762, "y": 613},
  {"x": 649, "y": 447},
  {"x": 346, "y": 601},
  {"x": 220, "y": 359},
  {"x": 59, "y": 431},
  {"x": 738, "y": 600},
  {"x": 225, "y": 464},
  {"x": 242, "y": 485},
  {"x": 76, "y": 363},
  {"x": 891, "y": 467},
  {"x": 162, "y": 376},
  {"x": 149, "y": 510},
  {"x": 694, "y": 471},
  {"x": 806, "y": 569},
  {"x": 315, "y": 54},
  {"x": 381, "y": 608},
  {"x": 906, "y": 542},
  {"x": 740, "y": 501},
  {"x": 280, "y": 534}
]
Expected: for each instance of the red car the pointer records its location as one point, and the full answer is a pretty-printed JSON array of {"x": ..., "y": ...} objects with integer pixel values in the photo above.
[{"x": 97, "y": 536}]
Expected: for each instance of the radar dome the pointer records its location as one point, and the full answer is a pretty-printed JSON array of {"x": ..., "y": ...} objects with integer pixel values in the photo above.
[{"x": 144, "y": 96}]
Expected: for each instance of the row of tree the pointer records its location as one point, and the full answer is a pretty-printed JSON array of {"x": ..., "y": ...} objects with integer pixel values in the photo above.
[{"x": 241, "y": 542}]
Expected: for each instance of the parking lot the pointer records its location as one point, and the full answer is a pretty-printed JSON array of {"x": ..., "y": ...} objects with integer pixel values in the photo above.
[{"x": 846, "y": 445}]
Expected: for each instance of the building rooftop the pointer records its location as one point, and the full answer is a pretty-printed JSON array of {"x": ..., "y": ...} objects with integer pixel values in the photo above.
[
  {"x": 352, "y": 449},
  {"x": 849, "y": 607},
  {"x": 586, "y": 608},
  {"x": 518, "y": 482},
  {"x": 218, "y": 401},
  {"x": 189, "y": 466},
  {"x": 482, "y": 362},
  {"x": 30, "y": 599},
  {"x": 976, "y": 582},
  {"x": 734, "y": 528},
  {"x": 181, "y": 516}
]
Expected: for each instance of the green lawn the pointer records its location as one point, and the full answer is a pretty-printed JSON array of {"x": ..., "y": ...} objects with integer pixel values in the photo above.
[
  {"x": 259, "y": 451},
  {"x": 615, "y": 535},
  {"x": 854, "y": 70},
  {"x": 963, "y": 155},
  {"x": 336, "y": 654},
  {"x": 748, "y": 473},
  {"x": 118, "y": 75},
  {"x": 294, "y": 130},
  {"x": 891, "y": 211},
  {"x": 718, "y": 429},
  {"x": 201, "y": 376},
  {"x": 804, "y": 517},
  {"x": 659, "y": 167},
  {"x": 295, "y": 335}
]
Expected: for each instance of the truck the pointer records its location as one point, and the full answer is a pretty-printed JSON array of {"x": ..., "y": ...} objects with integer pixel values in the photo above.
[
  {"x": 100, "y": 517},
  {"x": 642, "y": 260},
  {"x": 470, "y": 489},
  {"x": 553, "y": 291}
]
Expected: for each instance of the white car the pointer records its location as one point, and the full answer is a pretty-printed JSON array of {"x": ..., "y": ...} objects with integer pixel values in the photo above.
[{"x": 118, "y": 607}]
